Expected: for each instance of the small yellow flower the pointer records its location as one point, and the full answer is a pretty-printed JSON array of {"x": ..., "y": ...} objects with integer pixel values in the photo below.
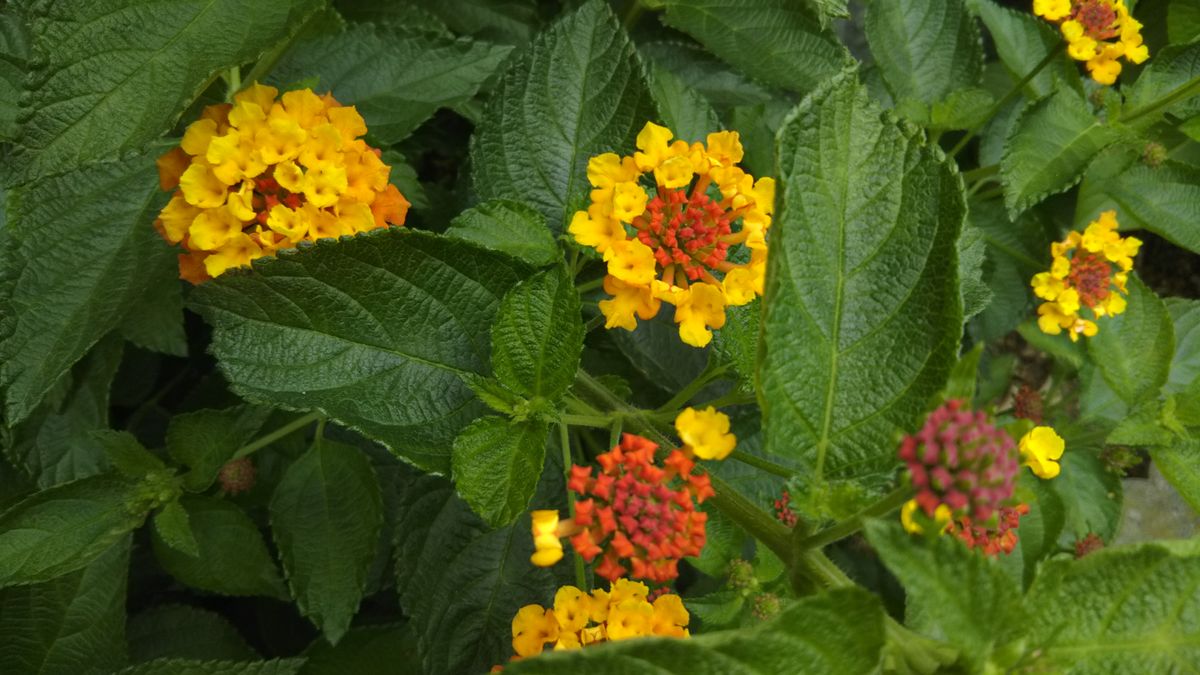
[
  {"x": 630, "y": 261},
  {"x": 702, "y": 309},
  {"x": 629, "y": 619},
  {"x": 1052, "y": 10},
  {"x": 628, "y": 303},
  {"x": 941, "y": 517},
  {"x": 547, "y": 545},
  {"x": 532, "y": 628},
  {"x": 670, "y": 617},
  {"x": 1041, "y": 449},
  {"x": 705, "y": 432},
  {"x": 571, "y": 607}
]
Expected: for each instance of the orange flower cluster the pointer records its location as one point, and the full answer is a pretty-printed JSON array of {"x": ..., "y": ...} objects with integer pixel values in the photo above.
[
  {"x": 638, "y": 517},
  {"x": 993, "y": 540}
]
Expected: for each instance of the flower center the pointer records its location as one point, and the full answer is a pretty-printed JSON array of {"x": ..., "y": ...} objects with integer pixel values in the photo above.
[
  {"x": 267, "y": 193},
  {"x": 1098, "y": 18},
  {"x": 644, "y": 511},
  {"x": 685, "y": 231},
  {"x": 1089, "y": 276}
]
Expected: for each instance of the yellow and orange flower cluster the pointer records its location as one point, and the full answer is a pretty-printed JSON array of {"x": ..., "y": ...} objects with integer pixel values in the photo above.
[
  {"x": 1098, "y": 32},
  {"x": 264, "y": 174},
  {"x": 578, "y": 619},
  {"x": 683, "y": 243},
  {"x": 1089, "y": 270}
]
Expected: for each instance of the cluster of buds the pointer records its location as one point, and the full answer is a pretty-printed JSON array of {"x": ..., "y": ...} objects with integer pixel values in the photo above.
[
  {"x": 1088, "y": 545},
  {"x": 237, "y": 476},
  {"x": 695, "y": 208},
  {"x": 1089, "y": 270},
  {"x": 992, "y": 540},
  {"x": 783, "y": 509},
  {"x": 637, "y": 516},
  {"x": 1098, "y": 32},
  {"x": 579, "y": 619}
]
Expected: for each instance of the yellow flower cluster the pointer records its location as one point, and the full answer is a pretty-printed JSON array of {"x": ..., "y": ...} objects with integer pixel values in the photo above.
[
  {"x": 264, "y": 174},
  {"x": 1082, "y": 275},
  {"x": 1098, "y": 32},
  {"x": 705, "y": 433},
  {"x": 579, "y": 619},
  {"x": 1041, "y": 449},
  {"x": 680, "y": 234}
]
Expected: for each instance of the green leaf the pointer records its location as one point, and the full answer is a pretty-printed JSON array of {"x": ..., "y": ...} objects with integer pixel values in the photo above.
[
  {"x": 497, "y": 464},
  {"x": 233, "y": 559},
  {"x": 210, "y": 667},
  {"x": 461, "y": 584},
  {"x": 63, "y": 300},
  {"x": 925, "y": 49},
  {"x": 1183, "y": 21},
  {"x": 577, "y": 91},
  {"x": 53, "y": 445},
  {"x": 1134, "y": 350},
  {"x": 184, "y": 632},
  {"x": 1090, "y": 494},
  {"x": 963, "y": 376},
  {"x": 72, "y": 624},
  {"x": 778, "y": 42},
  {"x": 1022, "y": 40},
  {"x": 1049, "y": 149},
  {"x": 864, "y": 313},
  {"x": 1171, "y": 68},
  {"x": 508, "y": 21},
  {"x": 126, "y": 454},
  {"x": 511, "y": 227},
  {"x": 654, "y": 350},
  {"x": 369, "y": 650},
  {"x": 683, "y": 109},
  {"x": 204, "y": 440},
  {"x": 1185, "y": 366},
  {"x": 355, "y": 322},
  {"x": 65, "y": 528},
  {"x": 1180, "y": 465},
  {"x": 173, "y": 526},
  {"x": 964, "y": 598},
  {"x": 828, "y": 10},
  {"x": 836, "y": 632},
  {"x": 14, "y": 54},
  {"x": 972, "y": 254},
  {"x": 1130, "y": 609},
  {"x": 396, "y": 77},
  {"x": 538, "y": 336},
  {"x": 1161, "y": 199},
  {"x": 107, "y": 84},
  {"x": 155, "y": 321},
  {"x": 326, "y": 514},
  {"x": 737, "y": 342},
  {"x": 709, "y": 76}
]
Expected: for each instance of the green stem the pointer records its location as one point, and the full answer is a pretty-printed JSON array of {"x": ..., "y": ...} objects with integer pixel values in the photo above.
[
  {"x": 1012, "y": 93},
  {"x": 264, "y": 441},
  {"x": 233, "y": 80},
  {"x": 710, "y": 373},
  {"x": 821, "y": 570},
  {"x": 589, "y": 285},
  {"x": 752, "y": 519},
  {"x": 981, "y": 173},
  {"x": 594, "y": 421},
  {"x": 564, "y": 440},
  {"x": 593, "y": 323},
  {"x": 991, "y": 194},
  {"x": 886, "y": 504},
  {"x": 633, "y": 14},
  {"x": 761, "y": 463},
  {"x": 1183, "y": 91}
]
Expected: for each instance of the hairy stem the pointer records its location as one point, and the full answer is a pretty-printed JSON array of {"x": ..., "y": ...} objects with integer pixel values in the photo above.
[
  {"x": 264, "y": 441},
  {"x": 886, "y": 504}
]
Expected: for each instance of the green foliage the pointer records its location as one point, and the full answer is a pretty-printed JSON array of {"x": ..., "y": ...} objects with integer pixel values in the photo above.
[
  {"x": 173, "y": 525},
  {"x": 326, "y": 514},
  {"x": 925, "y": 49},
  {"x": 1049, "y": 148},
  {"x": 396, "y": 78},
  {"x": 184, "y": 632},
  {"x": 204, "y": 440},
  {"x": 14, "y": 53},
  {"x": 864, "y": 313},
  {"x": 538, "y": 335},
  {"x": 1172, "y": 68},
  {"x": 346, "y": 358},
  {"x": 1159, "y": 199},
  {"x": 105, "y": 85},
  {"x": 839, "y": 632},
  {"x": 685, "y": 111},
  {"x": 369, "y": 650},
  {"x": 510, "y": 227},
  {"x": 497, "y": 464},
  {"x": 1022, "y": 40},
  {"x": 214, "y": 667},
  {"x": 545, "y": 118},
  {"x": 1135, "y": 349}
]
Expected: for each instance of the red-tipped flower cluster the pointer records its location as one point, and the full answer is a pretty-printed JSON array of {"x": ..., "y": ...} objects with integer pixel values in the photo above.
[
  {"x": 641, "y": 518},
  {"x": 991, "y": 540},
  {"x": 963, "y": 461}
]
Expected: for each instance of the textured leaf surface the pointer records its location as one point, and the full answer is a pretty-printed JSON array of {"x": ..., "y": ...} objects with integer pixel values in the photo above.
[
  {"x": 711, "y": 77},
  {"x": 204, "y": 440},
  {"x": 497, "y": 464},
  {"x": 1163, "y": 200},
  {"x": 233, "y": 559},
  {"x": 72, "y": 624},
  {"x": 509, "y": 21},
  {"x": 1132, "y": 609},
  {"x": 838, "y": 632},
  {"x": 326, "y": 514},
  {"x": 114, "y": 75},
  {"x": 1185, "y": 366},
  {"x": 684, "y": 110},
  {"x": 864, "y": 313},
  {"x": 1134, "y": 350},
  {"x": 964, "y": 598},
  {"x": 1049, "y": 148},
  {"x": 1170, "y": 69},
  {"x": 73, "y": 237},
  {"x": 576, "y": 92},
  {"x": 210, "y": 667},
  {"x": 1016, "y": 250},
  {"x": 1183, "y": 21},
  {"x": 779, "y": 42},
  {"x": 184, "y": 632},
  {"x": 461, "y": 584},
  {"x": 374, "y": 331},
  {"x": 1180, "y": 465},
  {"x": 1090, "y": 494},
  {"x": 369, "y": 650},
  {"x": 14, "y": 52},
  {"x": 396, "y": 78},
  {"x": 538, "y": 335},
  {"x": 65, "y": 528},
  {"x": 173, "y": 526},
  {"x": 511, "y": 227},
  {"x": 1022, "y": 40},
  {"x": 924, "y": 48}
]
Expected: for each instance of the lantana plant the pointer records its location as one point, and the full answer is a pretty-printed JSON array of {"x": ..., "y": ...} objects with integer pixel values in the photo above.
[{"x": 599, "y": 336}]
